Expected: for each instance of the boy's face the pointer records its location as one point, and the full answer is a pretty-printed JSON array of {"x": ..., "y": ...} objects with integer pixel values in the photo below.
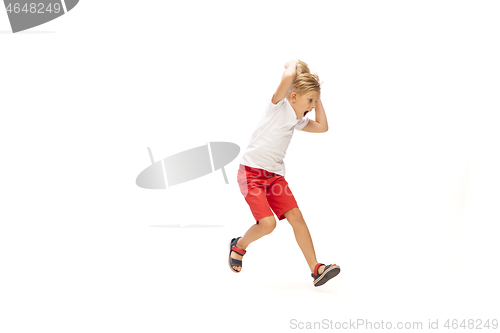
[{"x": 302, "y": 104}]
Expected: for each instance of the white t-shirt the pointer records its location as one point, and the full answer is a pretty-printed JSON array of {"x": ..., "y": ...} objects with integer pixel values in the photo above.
[{"x": 269, "y": 142}]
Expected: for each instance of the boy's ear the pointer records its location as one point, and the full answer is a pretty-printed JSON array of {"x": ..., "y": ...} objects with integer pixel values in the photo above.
[{"x": 293, "y": 96}]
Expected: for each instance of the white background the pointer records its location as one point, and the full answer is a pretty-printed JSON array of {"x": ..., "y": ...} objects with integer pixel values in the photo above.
[{"x": 402, "y": 192}]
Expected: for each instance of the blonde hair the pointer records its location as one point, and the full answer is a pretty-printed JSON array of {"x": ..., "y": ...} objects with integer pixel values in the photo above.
[{"x": 305, "y": 81}]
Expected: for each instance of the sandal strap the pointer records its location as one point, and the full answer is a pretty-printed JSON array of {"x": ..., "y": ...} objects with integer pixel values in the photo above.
[
  {"x": 235, "y": 262},
  {"x": 316, "y": 268},
  {"x": 238, "y": 250}
]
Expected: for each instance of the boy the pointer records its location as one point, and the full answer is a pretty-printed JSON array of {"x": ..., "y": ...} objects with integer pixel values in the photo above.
[{"x": 261, "y": 173}]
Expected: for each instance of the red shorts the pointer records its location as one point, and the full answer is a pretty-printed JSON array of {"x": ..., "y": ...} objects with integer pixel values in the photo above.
[{"x": 264, "y": 191}]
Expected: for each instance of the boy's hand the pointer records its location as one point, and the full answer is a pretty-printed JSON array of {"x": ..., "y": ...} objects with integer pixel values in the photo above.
[{"x": 291, "y": 63}]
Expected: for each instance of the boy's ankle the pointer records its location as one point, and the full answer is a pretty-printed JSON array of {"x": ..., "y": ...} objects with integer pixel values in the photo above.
[
  {"x": 313, "y": 267},
  {"x": 239, "y": 246}
]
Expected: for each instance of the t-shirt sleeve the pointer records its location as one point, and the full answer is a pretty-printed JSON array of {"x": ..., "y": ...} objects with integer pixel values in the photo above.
[
  {"x": 302, "y": 123},
  {"x": 273, "y": 107}
]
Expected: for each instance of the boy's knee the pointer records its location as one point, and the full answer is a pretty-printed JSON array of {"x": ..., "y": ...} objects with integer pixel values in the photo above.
[
  {"x": 294, "y": 215},
  {"x": 268, "y": 224}
]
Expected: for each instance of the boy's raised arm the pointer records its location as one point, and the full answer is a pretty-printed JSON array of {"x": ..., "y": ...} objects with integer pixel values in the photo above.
[
  {"x": 286, "y": 81},
  {"x": 320, "y": 125}
]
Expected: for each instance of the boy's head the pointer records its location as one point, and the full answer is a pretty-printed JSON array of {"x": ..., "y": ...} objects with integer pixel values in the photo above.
[{"x": 305, "y": 90}]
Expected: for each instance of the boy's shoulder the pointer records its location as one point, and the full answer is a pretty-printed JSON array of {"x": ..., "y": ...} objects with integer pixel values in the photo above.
[
  {"x": 278, "y": 104},
  {"x": 275, "y": 108}
]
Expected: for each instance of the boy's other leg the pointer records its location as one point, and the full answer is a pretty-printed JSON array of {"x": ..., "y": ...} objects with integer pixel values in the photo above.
[
  {"x": 303, "y": 237},
  {"x": 265, "y": 226}
]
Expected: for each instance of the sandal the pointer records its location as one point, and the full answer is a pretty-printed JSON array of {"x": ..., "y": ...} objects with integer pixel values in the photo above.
[
  {"x": 232, "y": 261},
  {"x": 329, "y": 272}
]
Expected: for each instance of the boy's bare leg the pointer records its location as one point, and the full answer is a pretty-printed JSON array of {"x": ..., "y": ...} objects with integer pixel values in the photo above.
[
  {"x": 303, "y": 237},
  {"x": 265, "y": 227}
]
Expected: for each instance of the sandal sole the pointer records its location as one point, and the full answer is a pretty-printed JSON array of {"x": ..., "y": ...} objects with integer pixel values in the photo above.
[{"x": 328, "y": 274}]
